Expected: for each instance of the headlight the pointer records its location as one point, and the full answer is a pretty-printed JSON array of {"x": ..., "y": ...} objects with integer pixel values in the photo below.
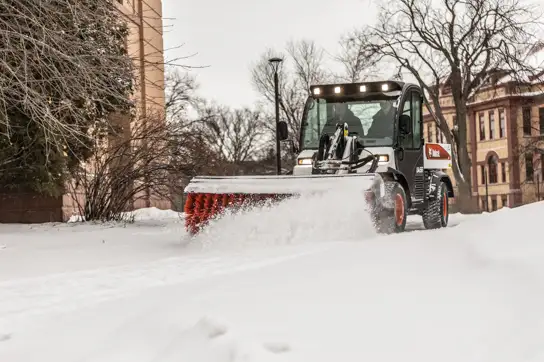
[
  {"x": 383, "y": 158},
  {"x": 304, "y": 161}
]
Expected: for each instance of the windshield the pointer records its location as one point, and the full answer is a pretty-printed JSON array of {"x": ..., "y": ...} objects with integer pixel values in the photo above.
[{"x": 373, "y": 121}]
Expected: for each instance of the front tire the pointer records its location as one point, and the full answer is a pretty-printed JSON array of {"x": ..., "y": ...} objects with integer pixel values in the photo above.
[
  {"x": 390, "y": 213},
  {"x": 437, "y": 213}
]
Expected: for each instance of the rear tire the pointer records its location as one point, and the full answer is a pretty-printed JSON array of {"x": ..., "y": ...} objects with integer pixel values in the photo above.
[
  {"x": 437, "y": 213},
  {"x": 390, "y": 213}
]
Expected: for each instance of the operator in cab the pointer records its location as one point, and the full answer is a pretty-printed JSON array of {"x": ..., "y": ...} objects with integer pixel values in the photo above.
[
  {"x": 382, "y": 121},
  {"x": 342, "y": 114}
]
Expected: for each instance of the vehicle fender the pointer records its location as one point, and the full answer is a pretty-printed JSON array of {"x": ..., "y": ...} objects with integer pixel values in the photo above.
[
  {"x": 438, "y": 176},
  {"x": 395, "y": 175}
]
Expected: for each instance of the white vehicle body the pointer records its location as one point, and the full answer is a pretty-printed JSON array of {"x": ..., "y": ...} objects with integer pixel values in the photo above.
[{"x": 436, "y": 156}]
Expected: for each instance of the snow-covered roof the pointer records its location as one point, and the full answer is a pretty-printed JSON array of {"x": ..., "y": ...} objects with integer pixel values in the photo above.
[
  {"x": 534, "y": 60},
  {"x": 505, "y": 96},
  {"x": 535, "y": 57}
]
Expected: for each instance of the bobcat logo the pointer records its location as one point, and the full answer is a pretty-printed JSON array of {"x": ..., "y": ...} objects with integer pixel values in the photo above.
[{"x": 436, "y": 152}]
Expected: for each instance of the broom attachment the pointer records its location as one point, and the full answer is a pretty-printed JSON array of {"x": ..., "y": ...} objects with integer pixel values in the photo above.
[
  {"x": 200, "y": 208},
  {"x": 208, "y": 196}
]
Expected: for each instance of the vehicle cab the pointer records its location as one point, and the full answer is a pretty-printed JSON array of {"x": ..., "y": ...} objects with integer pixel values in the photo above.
[{"x": 371, "y": 111}]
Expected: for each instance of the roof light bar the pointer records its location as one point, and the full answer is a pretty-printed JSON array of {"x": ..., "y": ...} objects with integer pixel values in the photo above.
[{"x": 354, "y": 89}]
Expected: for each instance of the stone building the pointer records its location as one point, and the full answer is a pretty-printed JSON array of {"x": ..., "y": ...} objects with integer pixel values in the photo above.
[
  {"x": 145, "y": 46},
  {"x": 506, "y": 133}
]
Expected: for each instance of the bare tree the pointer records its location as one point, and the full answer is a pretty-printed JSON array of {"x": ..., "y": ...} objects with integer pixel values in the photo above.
[
  {"x": 235, "y": 135},
  {"x": 461, "y": 43},
  {"x": 303, "y": 67},
  {"x": 180, "y": 91},
  {"x": 530, "y": 153},
  {"x": 356, "y": 66}
]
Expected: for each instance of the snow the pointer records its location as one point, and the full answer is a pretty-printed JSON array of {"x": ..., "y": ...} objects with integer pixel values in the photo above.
[
  {"x": 151, "y": 213},
  {"x": 520, "y": 94},
  {"x": 536, "y": 59},
  {"x": 305, "y": 281},
  {"x": 299, "y": 184}
]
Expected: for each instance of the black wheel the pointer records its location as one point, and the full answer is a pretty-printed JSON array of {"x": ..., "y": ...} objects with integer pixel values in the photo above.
[
  {"x": 436, "y": 215},
  {"x": 390, "y": 212}
]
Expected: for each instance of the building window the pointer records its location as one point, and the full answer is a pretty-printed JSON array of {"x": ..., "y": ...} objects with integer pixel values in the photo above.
[
  {"x": 503, "y": 171},
  {"x": 430, "y": 132},
  {"x": 541, "y": 120},
  {"x": 504, "y": 200},
  {"x": 492, "y": 164},
  {"x": 482, "y": 127},
  {"x": 484, "y": 203},
  {"x": 482, "y": 172},
  {"x": 526, "y": 112},
  {"x": 491, "y": 125},
  {"x": 494, "y": 203},
  {"x": 529, "y": 169},
  {"x": 502, "y": 124}
]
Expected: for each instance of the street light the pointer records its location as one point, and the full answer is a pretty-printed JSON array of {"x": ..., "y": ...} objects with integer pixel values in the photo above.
[
  {"x": 540, "y": 172},
  {"x": 486, "y": 169},
  {"x": 275, "y": 63}
]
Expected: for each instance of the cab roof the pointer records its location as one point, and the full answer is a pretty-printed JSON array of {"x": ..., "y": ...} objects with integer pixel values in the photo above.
[{"x": 356, "y": 89}]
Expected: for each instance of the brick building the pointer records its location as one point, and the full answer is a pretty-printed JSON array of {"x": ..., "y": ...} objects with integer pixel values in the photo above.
[
  {"x": 145, "y": 45},
  {"x": 505, "y": 133}
]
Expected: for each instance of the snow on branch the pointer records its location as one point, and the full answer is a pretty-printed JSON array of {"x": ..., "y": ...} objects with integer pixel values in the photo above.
[{"x": 64, "y": 70}]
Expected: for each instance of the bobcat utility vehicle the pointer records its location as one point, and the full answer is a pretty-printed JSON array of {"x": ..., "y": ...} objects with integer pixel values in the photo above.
[{"x": 368, "y": 135}]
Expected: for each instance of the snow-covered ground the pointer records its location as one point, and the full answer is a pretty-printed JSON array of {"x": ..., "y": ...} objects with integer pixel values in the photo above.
[{"x": 301, "y": 282}]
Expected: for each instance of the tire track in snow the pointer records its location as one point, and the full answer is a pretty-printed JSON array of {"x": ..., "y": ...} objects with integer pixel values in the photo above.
[{"x": 21, "y": 299}]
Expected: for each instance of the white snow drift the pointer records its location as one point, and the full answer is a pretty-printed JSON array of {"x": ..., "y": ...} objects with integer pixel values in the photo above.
[{"x": 302, "y": 282}]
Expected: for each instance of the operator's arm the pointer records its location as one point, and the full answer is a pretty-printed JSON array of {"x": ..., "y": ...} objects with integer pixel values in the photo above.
[
  {"x": 355, "y": 125},
  {"x": 371, "y": 129},
  {"x": 374, "y": 126}
]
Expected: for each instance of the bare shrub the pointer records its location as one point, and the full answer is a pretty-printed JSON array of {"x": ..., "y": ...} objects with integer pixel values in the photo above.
[{"x": 126, "y": 166}]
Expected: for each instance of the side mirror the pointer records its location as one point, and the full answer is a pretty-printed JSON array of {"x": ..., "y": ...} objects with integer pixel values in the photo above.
[
  {"x": 405, "y": 124},
  {"x": 283, "y": 131}
]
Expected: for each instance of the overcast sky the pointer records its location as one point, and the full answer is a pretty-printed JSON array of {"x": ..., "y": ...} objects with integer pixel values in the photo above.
[{"x": 230, "y": 35}]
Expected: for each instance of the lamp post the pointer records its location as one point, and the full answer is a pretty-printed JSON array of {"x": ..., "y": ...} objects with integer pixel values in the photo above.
[
  {"x": 486, "y": 188},
  {"x": 538, "y": 178},
  {"x": 275, "y": 63},
  {"x": 540, "y": 172}
]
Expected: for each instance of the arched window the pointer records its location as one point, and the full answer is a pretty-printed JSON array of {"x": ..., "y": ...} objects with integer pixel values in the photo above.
[{"x": 492, "y": 165}]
